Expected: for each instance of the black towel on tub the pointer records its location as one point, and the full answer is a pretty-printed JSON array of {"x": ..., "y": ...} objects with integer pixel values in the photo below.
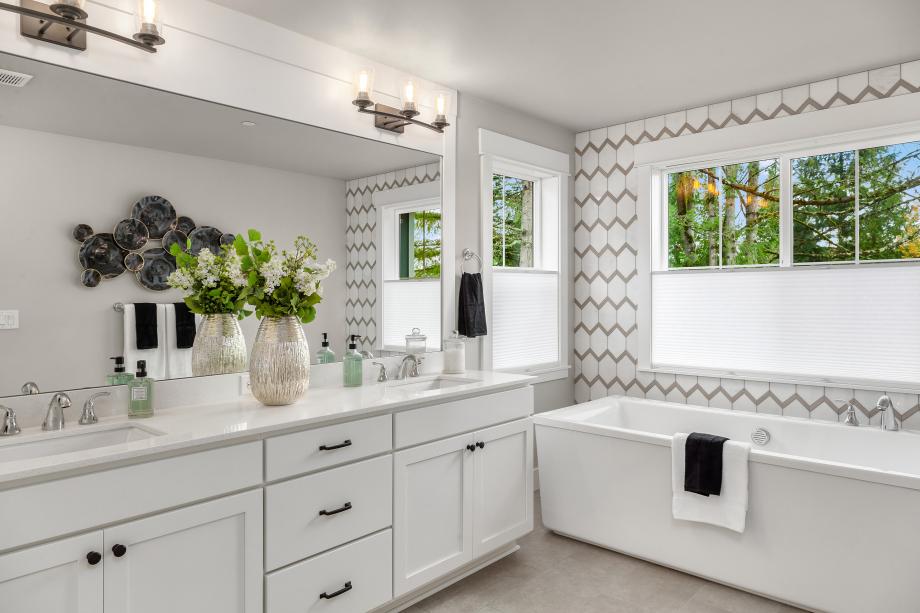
[
  {"x": 471, "y": 315},
  {"x": 703, "y": 464},
  {"x": 185, "y": 326},
  {"x": 145, "y": 325}
]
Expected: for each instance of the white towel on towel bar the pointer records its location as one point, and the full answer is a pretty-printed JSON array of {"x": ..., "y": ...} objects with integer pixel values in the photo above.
[
  {"x": 178, "y": 361},
  {"x": 156, "y": 358},
  {"x": 729, "y": 509}
]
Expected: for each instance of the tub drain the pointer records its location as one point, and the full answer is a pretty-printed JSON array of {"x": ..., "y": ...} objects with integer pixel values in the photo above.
[{"x": 760, "y": 436}]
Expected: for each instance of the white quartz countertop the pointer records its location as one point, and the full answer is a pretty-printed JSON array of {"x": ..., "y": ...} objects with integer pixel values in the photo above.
[{"x": 187, "y": 428}]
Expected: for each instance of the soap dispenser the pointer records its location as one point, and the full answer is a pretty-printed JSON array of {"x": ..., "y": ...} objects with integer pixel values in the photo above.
[
  {"x": 140, "y": 393},
  {"x": 353, "y": 364},
  {"x": 119, "y": 376},
  {"x": 325, "y": 355}
]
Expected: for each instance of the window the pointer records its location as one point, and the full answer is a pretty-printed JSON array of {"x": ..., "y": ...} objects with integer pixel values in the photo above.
[
  {"x": 524, "y": 186},
  {"x": 724, "y": 215},
  {"x": 797, "y": 261},
  {"x": 420, "y": 244}
]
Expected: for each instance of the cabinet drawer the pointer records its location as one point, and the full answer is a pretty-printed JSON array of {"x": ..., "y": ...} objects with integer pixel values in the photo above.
[
  {"x": 365, "y": 566},
  {"x": 354, "y": 500},
  {"x": 303, "y": 452},
  {"x": 443, "y": 420}
]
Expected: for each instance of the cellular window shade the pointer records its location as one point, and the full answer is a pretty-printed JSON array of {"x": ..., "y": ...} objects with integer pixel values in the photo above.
[
  {"x": 411, "y": 304},
  {"x": 525, "y": 318},
  {"x": 837, "y": 324}
]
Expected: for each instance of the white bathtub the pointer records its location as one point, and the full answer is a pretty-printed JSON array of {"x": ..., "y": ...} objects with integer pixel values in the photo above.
[{"x": 834, "y": 514}]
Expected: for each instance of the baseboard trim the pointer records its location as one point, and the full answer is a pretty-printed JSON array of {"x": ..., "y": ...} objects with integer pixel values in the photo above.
[{"x": 407, "y": 600}]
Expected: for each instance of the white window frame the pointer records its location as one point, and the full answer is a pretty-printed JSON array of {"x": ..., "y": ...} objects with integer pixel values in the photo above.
[
  {"x": 882, "y": 122},
  {"x": 500, "y": 154},
  {"x": 390, "y": 203}
]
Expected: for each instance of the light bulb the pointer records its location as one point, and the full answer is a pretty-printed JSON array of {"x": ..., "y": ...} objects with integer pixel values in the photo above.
[
  {"x": 440, "y": 107},
  {"x": 149, "y": 23},
  {"x": 363, "y": 82},
  {"x": 409, "y": 103},
  {"x": 440, "y": 104}
]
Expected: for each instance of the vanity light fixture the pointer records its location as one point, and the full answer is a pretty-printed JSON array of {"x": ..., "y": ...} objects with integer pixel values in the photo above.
[
  {"x": 64, "y": 23},
  {"x": 393, "y": 119}
]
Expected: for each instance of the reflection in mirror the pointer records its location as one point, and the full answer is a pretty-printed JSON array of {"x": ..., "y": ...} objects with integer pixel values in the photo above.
[{"x": 95, "y": 204}]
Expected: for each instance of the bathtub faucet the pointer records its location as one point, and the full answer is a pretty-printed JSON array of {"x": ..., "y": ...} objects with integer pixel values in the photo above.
[{"x": 889, "y": 420}]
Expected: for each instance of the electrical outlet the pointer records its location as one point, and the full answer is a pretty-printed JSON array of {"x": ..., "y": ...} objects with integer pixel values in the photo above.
[
  {"x": 9, "y": 320},
  {"x": 244, "y": 385}
]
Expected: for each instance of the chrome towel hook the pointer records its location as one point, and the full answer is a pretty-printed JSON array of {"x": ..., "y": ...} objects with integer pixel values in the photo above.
[{"x": 468, "y": 255}]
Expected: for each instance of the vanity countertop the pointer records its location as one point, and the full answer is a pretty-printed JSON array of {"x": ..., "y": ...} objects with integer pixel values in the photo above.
[{"x": 189, "y": 428}]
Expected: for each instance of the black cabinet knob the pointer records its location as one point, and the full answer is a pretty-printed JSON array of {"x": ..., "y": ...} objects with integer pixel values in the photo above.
[
  {"x": 93, "y": 557},
  {"x": 481, "y": 445},
  {"x": 471, "y": 447},
  {"x": 119, "y": 550}
]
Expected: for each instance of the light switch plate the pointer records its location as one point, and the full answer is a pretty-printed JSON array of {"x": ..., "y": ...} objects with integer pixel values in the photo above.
[{"x": 9, "y": 320}]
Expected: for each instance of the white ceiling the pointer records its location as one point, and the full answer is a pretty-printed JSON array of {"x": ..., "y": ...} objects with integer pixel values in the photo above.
[
  {"x": 592, "y": 63},
  {"x": 69, "y": 102}
]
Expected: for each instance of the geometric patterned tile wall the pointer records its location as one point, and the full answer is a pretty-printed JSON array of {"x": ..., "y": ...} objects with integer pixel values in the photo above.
[
  {"x": 605, "y": 255},
  {"x": 360, "y": 250}
]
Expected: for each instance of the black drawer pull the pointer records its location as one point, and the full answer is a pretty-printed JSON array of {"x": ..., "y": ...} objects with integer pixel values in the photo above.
[
  {"x": 345, "y": 443},
  {"x": 481, "y": 445},
  {"x": 344, "y": 507},
  {"x": 338, "y": 593},
  {"x": 93, "y": 557}
]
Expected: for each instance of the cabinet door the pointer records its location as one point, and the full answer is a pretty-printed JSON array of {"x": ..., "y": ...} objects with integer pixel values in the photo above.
[
  {"x": 202, "y": 559},
  {"x": 503, "y": 485},
  {"x": 433, "y": 511},
  {"x": 54, "y": 578}
]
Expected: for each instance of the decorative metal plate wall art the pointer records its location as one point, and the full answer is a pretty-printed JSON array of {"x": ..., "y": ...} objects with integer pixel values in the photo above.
[{"x": 153, "y": 219}]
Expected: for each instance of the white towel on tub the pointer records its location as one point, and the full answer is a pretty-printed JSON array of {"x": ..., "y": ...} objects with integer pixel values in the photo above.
[{"x": 729, "y": 509}]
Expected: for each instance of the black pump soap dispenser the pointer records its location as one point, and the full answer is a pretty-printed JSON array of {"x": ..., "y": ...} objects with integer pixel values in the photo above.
[
  {"x": 325, "y": 355},
  {"x": 353, "y": 364}
]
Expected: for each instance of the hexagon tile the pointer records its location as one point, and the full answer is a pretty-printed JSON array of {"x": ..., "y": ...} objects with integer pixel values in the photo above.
[
  {"x": 605, "y": 256},
  {"x": 360, "y": 250}
]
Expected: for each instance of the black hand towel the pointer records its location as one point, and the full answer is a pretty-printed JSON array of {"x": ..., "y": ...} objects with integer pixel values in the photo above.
[
  {"x": 185, "y": 326},
  {"x": 145, "y": 325},
  {"x": 703, "y": 464},
  {"x": 471, "y": 314}
]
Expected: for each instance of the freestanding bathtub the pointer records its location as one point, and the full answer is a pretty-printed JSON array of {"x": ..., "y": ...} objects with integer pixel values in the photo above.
[{"x": 834, "y": 511}]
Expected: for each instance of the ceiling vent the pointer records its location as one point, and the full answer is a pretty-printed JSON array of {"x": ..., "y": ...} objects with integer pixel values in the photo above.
[{"x": 8, "y": 78}]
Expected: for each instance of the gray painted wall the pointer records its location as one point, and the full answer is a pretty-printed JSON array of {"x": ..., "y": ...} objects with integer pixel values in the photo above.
[
  {"x": 52, "y": 182},
  {"x": 473, "y": 114}
]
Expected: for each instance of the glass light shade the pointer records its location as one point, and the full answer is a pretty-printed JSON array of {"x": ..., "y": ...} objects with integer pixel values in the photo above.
[
  {"x": 71, "y": 9},
  {"x": 363, "y": 82},
  {"x": 410, "y": 96},
  {"x": 441, "y": 108},
  {"x": 149, "y": 23}
]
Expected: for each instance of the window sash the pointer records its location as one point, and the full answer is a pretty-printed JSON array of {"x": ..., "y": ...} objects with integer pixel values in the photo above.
[{"x": 785, "y": 155}]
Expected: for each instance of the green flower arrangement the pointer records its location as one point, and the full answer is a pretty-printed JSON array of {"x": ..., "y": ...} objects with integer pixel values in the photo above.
[
  {"x": 213, "y": 283},
  {"x": 281, "y": 284}
]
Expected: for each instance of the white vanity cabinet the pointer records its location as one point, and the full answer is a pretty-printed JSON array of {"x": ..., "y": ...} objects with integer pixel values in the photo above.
[
  {"x": 207, "y": 557},
  {"x": 458, "y": 499}
]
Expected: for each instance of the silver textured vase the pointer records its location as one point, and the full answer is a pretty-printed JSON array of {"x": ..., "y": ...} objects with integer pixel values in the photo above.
[
  {"x": 219, "y": 347},
  {"x": 279, "y": 369}
]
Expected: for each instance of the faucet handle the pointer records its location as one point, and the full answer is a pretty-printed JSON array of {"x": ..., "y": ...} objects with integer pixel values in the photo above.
[
  {"x": 382, "y": 375},
  {"x": 88, "y": 416},
  {"x": 8, "y": 426},
  {"x": 851, "y": 418}
]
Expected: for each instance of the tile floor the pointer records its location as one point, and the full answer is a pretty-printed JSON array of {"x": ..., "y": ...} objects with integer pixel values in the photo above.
[{"x": 553, "y": 574}]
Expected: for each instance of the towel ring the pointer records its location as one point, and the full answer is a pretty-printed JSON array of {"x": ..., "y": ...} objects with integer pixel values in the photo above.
[{"x": 468, "y": 255}]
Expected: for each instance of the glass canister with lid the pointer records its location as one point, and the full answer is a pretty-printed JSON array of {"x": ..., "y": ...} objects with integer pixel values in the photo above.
[
  {"x": 455, "y": 354},
  {"x": 416, "y": 342}
]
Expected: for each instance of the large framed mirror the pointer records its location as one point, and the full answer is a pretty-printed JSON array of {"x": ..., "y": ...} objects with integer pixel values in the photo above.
[{"x": 100, "y": 176}]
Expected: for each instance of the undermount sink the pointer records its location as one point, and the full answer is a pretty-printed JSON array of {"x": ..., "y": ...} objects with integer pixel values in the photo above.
[
  {"x": 70, "y": 440},
  {"x": 426, "y": 384}
]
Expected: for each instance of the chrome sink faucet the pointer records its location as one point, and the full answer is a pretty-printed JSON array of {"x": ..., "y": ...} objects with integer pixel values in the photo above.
[
  {"x": 889, "y": 420},
  {"x": 54, "y": 418},
  {"x": 408, "y": 367},
  {"x": 8, "y": 425},
  {"x": 88, "y": 416}
]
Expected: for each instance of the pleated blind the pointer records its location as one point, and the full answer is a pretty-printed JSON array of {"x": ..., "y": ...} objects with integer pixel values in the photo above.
[
  {"x": 847, "y": 323},
  {"x": 411, "y": 304},
  {"x": 525, "y": 318}
]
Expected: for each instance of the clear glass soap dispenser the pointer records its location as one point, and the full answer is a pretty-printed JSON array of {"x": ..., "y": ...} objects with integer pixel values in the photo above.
[
  {"x": 325, "y": 355},
  {"x": 353, "y": 364}
]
